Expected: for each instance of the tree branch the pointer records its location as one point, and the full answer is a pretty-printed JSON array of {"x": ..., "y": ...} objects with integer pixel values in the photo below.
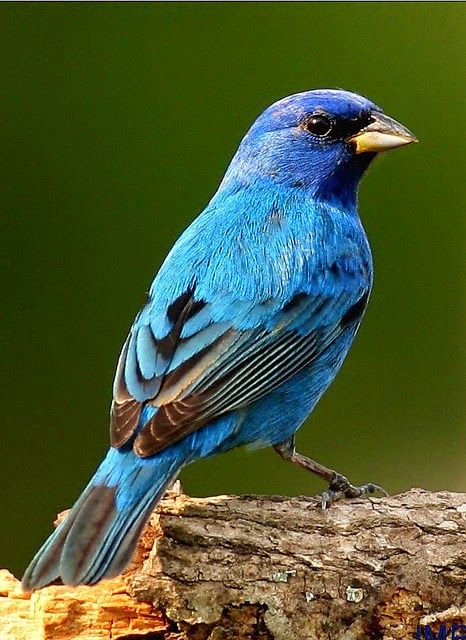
[{"x": 268, "y": 567}]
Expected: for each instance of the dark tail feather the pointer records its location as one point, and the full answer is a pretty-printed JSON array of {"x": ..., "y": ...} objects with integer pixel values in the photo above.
[
  {"x": 99, "y": 535},
  {"x": 45, "y": 566}
]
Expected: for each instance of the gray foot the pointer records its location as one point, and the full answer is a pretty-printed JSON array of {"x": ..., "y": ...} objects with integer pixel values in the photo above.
[{"x": 340, "y": 488}]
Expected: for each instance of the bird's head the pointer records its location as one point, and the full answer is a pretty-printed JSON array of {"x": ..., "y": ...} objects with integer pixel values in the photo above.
[{"x": 321, "y": 141}]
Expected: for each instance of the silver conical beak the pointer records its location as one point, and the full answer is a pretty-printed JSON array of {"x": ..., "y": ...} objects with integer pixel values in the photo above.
[{"x": 382, "y": 134}]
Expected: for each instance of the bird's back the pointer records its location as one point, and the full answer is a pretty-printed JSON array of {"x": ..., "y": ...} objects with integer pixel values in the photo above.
[{"x": 259, "y": 244}]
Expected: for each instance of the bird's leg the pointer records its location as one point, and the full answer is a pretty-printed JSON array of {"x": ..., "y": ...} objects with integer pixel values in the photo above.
[{"x": 339, "y": 485}]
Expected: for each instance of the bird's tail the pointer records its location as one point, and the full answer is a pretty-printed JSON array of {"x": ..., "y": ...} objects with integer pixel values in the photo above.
[{"x": 97, "y": 538}]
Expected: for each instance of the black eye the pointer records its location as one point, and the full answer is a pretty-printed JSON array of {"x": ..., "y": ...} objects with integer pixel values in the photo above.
[{"x": 319, "y": 125}]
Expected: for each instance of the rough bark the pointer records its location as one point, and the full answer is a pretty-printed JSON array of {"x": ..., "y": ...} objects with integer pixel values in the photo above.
[{"x": 278, "y": 568}]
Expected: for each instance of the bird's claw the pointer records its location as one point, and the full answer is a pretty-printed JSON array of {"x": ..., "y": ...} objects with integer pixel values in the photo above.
[{"x": 340, "y": 487}]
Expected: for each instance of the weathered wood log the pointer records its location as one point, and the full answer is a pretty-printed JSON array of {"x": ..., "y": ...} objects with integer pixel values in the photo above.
[{"x": 228, "y": 567}]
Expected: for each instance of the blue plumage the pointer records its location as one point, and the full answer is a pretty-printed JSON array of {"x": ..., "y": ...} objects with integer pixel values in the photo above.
[{"x": 247, "y": 323}]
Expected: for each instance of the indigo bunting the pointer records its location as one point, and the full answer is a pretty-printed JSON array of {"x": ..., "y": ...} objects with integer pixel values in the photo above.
[{"x": 246, "y": 325}]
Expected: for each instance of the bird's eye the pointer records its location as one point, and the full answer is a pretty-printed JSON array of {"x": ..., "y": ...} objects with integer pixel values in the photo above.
[{"x": 319, "y": 125}]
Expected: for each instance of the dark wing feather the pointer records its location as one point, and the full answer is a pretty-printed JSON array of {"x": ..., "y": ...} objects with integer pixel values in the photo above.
[
  {"x": 266, "y": 369},
  {"x": 125, "y": 410},
  {"x": 273, "y": 360},
  {"x": 127, "y": 404},
  {"x": 229, "y": 370}
]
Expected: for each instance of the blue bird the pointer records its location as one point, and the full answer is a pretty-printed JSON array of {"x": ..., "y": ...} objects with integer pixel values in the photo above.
[{"x": 246, "y": 325}]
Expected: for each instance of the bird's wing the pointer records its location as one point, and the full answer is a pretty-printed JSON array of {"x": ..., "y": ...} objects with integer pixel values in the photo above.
[{"x": 195, "y": 363}]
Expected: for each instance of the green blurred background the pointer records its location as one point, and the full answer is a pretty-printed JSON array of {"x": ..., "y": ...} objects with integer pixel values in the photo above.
[{"x": 117, "y": 123}]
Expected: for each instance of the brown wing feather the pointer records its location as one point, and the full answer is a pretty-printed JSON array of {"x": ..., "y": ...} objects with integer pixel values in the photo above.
[
  {"x": 278, "y": 359},
  {"x": 174, "y": 421},
  {"x": 125, "y": 411}
]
